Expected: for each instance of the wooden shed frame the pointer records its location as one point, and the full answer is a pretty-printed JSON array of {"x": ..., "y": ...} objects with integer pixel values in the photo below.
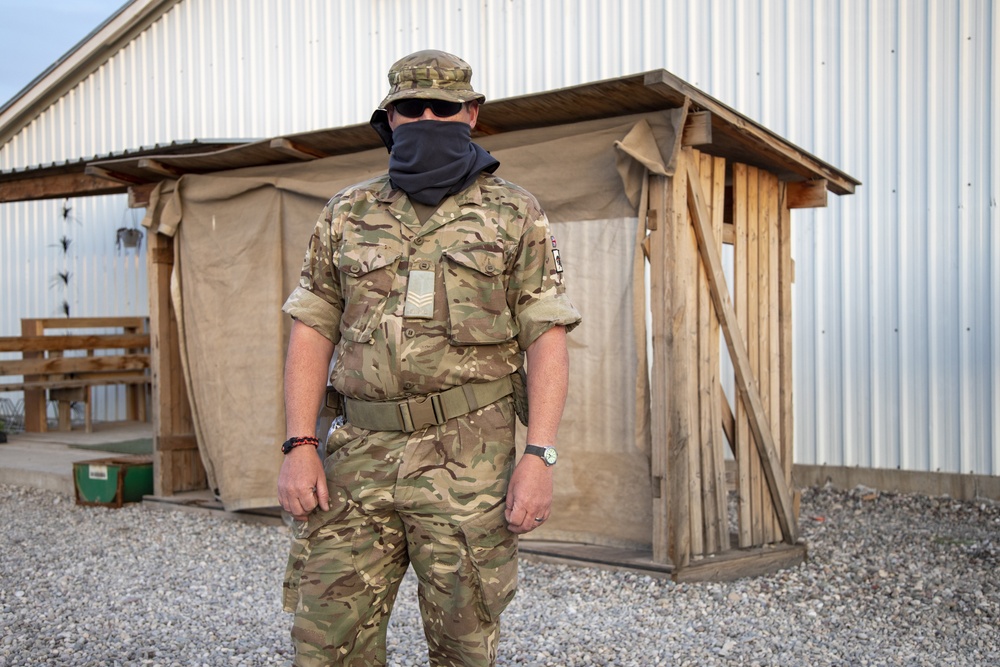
[{"x": 735, "y": 182}]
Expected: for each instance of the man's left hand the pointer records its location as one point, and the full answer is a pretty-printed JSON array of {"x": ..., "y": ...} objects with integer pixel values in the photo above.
[{"x": 529, "y": 495}]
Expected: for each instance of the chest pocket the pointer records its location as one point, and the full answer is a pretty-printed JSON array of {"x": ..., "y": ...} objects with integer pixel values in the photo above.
[
  {"x": 477, "y": 295},
  {"x": 366, "y": 277}
]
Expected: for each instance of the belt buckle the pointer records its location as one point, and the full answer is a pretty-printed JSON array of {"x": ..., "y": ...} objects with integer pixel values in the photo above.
[{"x": 418, "y": 412}]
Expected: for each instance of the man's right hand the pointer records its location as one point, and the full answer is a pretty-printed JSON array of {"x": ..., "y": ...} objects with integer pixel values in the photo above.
[{"x": 302, "y": 483}]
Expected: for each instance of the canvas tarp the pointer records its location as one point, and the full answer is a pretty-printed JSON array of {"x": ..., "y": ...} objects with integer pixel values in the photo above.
[{"x": 240, "y": 237}]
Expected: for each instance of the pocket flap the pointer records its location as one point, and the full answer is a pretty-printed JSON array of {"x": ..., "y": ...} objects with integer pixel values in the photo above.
[
  {"x": 357, "y": 260},
  {"x": 486, "y": 258}
]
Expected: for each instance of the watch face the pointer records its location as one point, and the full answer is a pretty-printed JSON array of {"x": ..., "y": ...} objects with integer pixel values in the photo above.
[{"x": 550, "y": 455}]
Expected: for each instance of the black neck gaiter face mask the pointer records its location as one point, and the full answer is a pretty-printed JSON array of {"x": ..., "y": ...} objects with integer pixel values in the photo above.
[{"x": 432, "y": 159}]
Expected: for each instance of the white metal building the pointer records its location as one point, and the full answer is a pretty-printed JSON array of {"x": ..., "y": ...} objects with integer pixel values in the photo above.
[{"x": 897, "y": 288}]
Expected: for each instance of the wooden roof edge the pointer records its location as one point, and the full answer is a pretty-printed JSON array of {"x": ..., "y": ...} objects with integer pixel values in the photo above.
[{"x": 838, "y": 181}]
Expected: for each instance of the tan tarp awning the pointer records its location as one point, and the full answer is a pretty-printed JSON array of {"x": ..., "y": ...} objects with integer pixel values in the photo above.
[{"x": 240, "y": 237}]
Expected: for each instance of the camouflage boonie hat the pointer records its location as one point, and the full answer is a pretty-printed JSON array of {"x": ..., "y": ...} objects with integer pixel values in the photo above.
[{"x": 433, "y": 75}]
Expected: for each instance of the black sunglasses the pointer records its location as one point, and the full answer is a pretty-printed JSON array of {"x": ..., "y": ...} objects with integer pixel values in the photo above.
[{"x": 414, "y": 108}]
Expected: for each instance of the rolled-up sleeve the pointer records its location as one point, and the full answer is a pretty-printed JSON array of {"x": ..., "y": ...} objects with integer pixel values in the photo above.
[
  {"x": 317, "y": 301},
  {"x": 536, "y": 292}
]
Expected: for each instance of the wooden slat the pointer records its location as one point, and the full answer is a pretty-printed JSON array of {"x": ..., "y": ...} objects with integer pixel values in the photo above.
[
  {"x": 743, "y": 488},
  {"x": 84, "y": 342},
  {"x": 684, "y": 364},
  {"x": 129, "y": 324},
  {"x": 660, "y": 266},
  {"x": 763, "y": 440},
  {"x": 104, "y": 380},
  {"x": 707, "y": 381},
  {"x": 752, "y": 339},
  {"x": 785, "y": 279},
  {"x": 763, "y": 370},
  {"x": 117, "y": 362},
  {"x": 773, "y": 337},
  {"x": 717, "y": 211}
]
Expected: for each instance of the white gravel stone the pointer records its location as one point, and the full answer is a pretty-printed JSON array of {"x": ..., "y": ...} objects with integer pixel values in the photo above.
[{"x": 890, "y": 580}]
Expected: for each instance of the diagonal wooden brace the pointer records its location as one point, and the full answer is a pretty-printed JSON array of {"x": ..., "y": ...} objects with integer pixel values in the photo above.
[{"x": 741, "y": 361}]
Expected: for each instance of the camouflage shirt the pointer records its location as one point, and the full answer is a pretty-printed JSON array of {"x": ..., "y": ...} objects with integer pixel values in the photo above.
[{"x": 483, "y": 277}]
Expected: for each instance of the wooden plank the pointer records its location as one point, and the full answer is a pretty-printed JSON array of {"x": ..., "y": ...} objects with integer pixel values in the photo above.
[
  {"x": 115, "y": 362},
  {"x": 57, "y": 186},
  {"x": 752, "y": 339},
  {"x": 807, "y": 194},
  {"x": 660, "y": 266},
  {"x": 785, "y": 279},
  {"x": 707, "y": 382},
  {"x": 105, "y": 380},
  {"x": 740, "y": 222},
  {"x": 740, "y": 564},
  {"x": 296, "y": 150},
  {"x": 61, "y": 323},
  {"x": 763, "y": 440},
  {"x": 697, "y": 129},
  {"x": 82, "y": 342},
  {"x": 718, "y": 213},
  {"x": 111, "y": 175},
  {"x": 768, "y": 220},
  {"x": 773, "y": 386},
  {"x": 684, "y": 369},
  {"x": 160, "y": 168}
]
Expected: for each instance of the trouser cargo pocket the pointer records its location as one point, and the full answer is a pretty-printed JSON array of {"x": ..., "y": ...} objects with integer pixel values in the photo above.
[
  {"x": 493, "y": 553},
  {"x": 297, "y": 557}
]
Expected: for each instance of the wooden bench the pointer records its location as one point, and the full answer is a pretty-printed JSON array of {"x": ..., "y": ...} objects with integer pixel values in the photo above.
[{"x": 51, "y": 367}]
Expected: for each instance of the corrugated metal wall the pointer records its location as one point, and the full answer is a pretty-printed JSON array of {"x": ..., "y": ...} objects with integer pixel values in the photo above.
[{"x": 897, "y": 321}]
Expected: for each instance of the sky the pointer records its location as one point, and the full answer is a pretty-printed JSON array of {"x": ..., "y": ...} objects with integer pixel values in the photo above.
[{"x": 34, "y": 34}]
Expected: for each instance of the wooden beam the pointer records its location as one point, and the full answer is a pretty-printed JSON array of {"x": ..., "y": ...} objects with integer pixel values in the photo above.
[
  {"x": 807, "y": 194},
  {"x": 139, "y": 195},
  {"x": 780, "y": 493},
  {"x": 110, "y": 175},
  {"x": 57, "y": 186},
  {"x": 160, "y": 168},
  {"x": 697, "y": 129},
  {"x": 84, "y": 342},
  {"x": 296, "y": 150}
]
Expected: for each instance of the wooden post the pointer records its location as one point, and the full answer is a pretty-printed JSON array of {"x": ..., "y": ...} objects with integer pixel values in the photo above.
[
  {"x": 660, "y": 268},
  {"x": 785, "y": 279},
  {"x": 176, "y": 461},
  {"x": 35, "y": 418}
]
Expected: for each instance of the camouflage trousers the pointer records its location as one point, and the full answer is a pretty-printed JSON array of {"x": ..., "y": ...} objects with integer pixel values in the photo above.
[{"x": 434, "y": 499}]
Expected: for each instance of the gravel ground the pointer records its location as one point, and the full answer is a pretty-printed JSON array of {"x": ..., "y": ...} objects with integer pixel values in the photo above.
[{"x": 891, "y": 580}]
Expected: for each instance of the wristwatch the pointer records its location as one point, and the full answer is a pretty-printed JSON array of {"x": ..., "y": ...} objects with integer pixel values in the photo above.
[{"x": 547, "y": 454}]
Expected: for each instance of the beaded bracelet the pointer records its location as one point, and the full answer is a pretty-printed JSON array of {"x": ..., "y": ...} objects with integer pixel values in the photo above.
[{"x": 292, "y": 443}]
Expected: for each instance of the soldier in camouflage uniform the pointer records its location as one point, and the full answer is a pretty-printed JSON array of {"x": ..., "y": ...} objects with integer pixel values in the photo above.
[{"x": 429, "y": 283}]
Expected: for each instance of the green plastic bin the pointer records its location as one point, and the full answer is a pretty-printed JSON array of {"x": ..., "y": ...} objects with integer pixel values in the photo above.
[{"x": 114, "y": 481}]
